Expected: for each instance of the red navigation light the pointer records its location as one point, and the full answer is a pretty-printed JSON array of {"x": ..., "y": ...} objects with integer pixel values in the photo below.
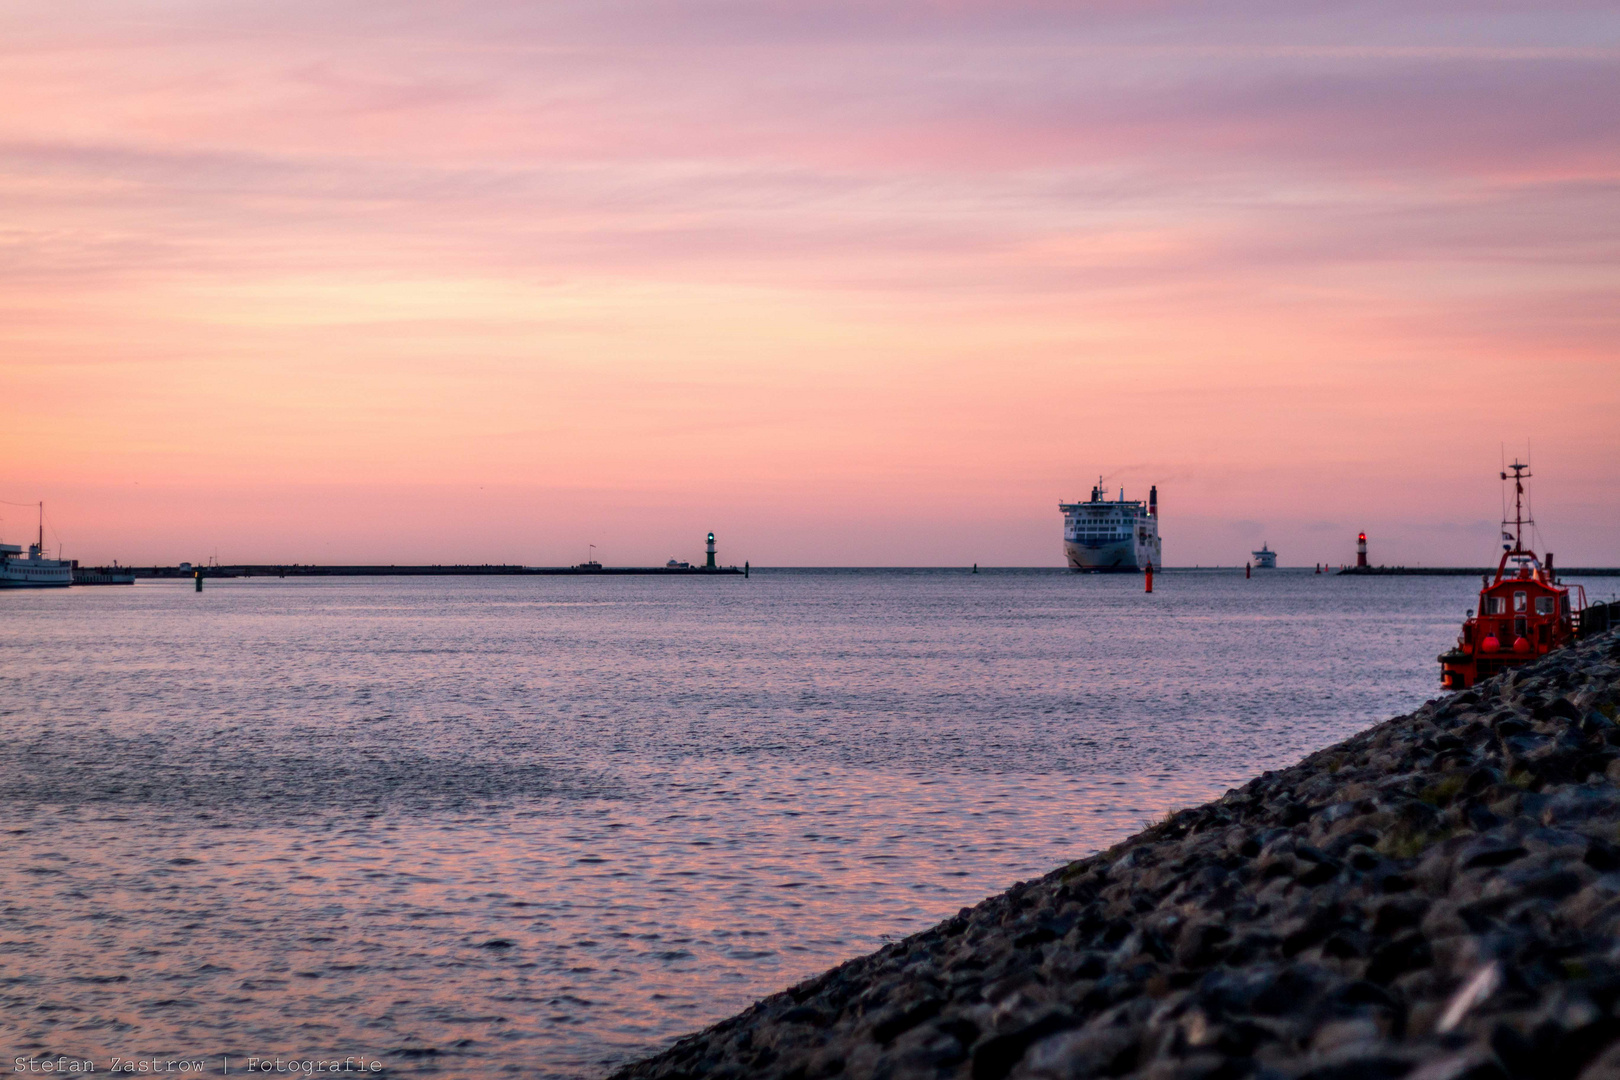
[{"x": 1363, "y": 536}]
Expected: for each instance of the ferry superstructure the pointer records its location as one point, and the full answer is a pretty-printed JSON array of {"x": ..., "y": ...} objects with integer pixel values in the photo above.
[
  {"x": 34, "y": 571},
  {"x": 1265, "y": 558},
  {"x": 1103, "y": 535}
]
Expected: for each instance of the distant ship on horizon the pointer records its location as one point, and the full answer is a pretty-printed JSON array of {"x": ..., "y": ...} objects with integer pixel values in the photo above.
[
  {"x": 1265, "y": 558},
  {"x": 1103, "y": 535}
]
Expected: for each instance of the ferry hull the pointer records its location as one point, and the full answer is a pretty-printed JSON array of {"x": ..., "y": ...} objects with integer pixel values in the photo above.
[
  {"x": 32, "y": 572},
  {"x": 35, "y": 577},
  {"x": 1120, "y": 558}
]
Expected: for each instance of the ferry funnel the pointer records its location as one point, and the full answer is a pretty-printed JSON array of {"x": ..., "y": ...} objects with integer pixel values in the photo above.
[{"x": 1153, "y": 501}]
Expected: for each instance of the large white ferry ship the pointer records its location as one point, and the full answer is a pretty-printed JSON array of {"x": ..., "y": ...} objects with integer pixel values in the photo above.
[
  {"x": 34, "y": 571},
  {"x": 1102, "y": 535}
]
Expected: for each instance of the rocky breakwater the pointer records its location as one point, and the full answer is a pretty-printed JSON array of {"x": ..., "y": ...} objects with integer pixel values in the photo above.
[{"x": 1437, "y": 898}]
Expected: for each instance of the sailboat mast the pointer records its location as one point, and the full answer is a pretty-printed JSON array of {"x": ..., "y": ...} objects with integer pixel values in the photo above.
[{"x": 42, "y": 528}]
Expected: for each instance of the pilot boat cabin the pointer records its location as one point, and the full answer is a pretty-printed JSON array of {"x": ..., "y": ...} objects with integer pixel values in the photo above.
[{"x": 1523, "y": 614}]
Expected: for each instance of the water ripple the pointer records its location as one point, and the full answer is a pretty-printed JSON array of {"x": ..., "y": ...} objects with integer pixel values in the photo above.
[{"x": 471, "y": 827}]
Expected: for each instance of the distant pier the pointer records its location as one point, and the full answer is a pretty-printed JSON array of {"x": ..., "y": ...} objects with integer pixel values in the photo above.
[
  {"x": 262, "y": 570},
  {"x": 1463, "y": 571}
]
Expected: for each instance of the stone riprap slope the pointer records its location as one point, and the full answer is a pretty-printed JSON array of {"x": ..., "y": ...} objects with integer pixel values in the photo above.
[{"x": 1437, "y": 898}]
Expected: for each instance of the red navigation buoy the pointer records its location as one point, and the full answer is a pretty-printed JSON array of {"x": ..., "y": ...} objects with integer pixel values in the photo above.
[
  {"x": 1246, "y": 573},
  {"x": 1149, "y": 577}
]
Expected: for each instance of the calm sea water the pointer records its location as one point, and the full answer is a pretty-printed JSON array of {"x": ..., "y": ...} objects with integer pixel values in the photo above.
[{"x": 541, "y": 826}]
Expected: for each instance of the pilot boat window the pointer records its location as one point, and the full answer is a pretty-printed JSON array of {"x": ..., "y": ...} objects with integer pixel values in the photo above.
[
  {"x": 1544, "y": 605},
  {"x": 1519, "y": 601},
  {"x": 1493, "y": 605}
]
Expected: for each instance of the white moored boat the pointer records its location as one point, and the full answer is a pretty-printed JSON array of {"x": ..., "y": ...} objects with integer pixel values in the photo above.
[
  {"x": 33, "y": 571},
  {"x": 1119, "y": 536}
]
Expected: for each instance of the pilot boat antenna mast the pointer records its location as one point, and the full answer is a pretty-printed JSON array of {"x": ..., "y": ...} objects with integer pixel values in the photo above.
[{"x": 1521, "y": 473}]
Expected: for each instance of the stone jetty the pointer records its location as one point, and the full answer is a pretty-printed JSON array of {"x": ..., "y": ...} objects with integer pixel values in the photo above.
[{"x": 1437, "y": 898}]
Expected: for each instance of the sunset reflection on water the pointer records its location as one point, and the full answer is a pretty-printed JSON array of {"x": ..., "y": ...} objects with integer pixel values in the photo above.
[{"x": 476, "y": 826}]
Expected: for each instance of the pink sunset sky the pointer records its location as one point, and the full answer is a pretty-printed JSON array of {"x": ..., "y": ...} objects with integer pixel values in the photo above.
[{"x": 849, "y": 284}]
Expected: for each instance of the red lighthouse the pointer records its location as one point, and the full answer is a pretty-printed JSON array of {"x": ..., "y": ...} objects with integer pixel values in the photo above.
[{"x": 1361, "y": 550}]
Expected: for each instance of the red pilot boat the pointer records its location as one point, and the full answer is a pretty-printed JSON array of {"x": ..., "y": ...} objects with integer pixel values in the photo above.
[{"x": 1523, "y": 614}]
